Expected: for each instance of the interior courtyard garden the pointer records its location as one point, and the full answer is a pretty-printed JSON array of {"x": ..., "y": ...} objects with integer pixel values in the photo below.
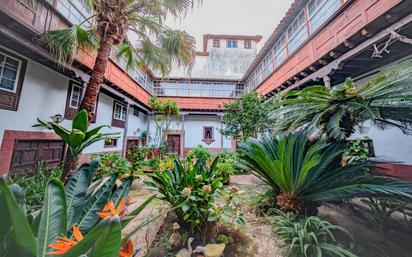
[{"x": 121, "y": 137}]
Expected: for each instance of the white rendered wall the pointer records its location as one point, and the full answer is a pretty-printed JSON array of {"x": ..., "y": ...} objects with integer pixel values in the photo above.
[
  {"x": 44, "y": 93},
  {"x": 193, "y": 128},
  {"x": 390, "y": 144},
  {"x": 136, "y": 124}
]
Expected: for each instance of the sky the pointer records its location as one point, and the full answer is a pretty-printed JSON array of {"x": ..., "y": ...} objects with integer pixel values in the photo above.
[{"x": 239, "y": 17}]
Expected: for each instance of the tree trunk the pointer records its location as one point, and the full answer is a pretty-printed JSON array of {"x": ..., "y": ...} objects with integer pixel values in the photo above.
[
  {"x": 97, "y": 76},
  {"x": 70, "y": 164}
]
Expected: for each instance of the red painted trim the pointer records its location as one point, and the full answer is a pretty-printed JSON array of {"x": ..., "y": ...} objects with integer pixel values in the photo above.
[
  {"x": 9, "y": 139},
  {"x": 401, "y": 171}
]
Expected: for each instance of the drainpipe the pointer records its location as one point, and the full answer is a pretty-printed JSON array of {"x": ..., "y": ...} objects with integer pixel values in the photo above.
[
  {"x": 126, "y": 124},
  {"x": 221, "y": 135}
]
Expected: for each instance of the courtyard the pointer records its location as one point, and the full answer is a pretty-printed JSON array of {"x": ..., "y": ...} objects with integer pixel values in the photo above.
[{"x": 159, "y": 129}]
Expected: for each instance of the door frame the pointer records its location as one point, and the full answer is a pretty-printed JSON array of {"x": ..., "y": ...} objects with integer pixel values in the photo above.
[{"x": 180, "y": 133}]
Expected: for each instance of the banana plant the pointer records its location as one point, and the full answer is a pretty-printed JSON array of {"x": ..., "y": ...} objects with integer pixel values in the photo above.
[
  {"x": 77, "y": 139},
  {"x": 68, "y": 223}
]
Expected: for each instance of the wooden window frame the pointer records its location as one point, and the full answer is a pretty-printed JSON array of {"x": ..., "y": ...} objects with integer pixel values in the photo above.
[
  {"x": 208, "y": 140},
  {"x": 108, "y": 144},
  {"x": 216, "y": 43},
  {"x": 70, "y": 111},
  {"x": 115, "y": 121},
  {"x": 9, "y": 100},
  {"x": 247, "y": 44},
  {"x": 231, "y": 43}
]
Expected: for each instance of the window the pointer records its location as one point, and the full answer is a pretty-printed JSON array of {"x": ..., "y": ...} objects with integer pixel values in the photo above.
[
  {"x": 9, "y": 72},
  {"x": 279, "y": 51},
  {"x": 136, "y": 112},
  {"x": 110, "y": 143},
  {"x": 297, "y": 33},
  {"x": 248, "y": 44},
  {"x": 231, "y": 43},
  {"x": 267, "y": 64},
  {"x": 216, "y": 43},
  {"x": 208, "y": 136},
  {"x": 319, "y": 11},
  {"x": 12, "y": 70},
  {"x": 120, "y": 111},
  {"x": 75, "y": 96}
]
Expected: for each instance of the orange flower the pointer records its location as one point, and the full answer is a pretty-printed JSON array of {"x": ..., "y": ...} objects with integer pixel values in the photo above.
[
  {"x": 64, "y": 244},
  {"x": 110, "y": 211},
  {"x": 127, "y": 249}
]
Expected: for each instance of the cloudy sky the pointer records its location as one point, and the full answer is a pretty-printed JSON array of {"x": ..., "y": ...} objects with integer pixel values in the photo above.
[{"x": 244, "y": 17}]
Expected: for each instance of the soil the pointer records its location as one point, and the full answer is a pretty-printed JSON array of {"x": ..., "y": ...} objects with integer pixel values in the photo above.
[{"x": 256, "y": 237}]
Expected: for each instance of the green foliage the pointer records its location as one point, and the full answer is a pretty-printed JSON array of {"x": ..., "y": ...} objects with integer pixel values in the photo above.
[
  {"x": 34, "y": 185},
  {"x": 136, "y": 155},
  {"x": 245, "y": 117},
  {"x": 386, "y": 100},
  {"x": 165, "y": 112},
  {"x": 79, "y": 137},
  {"x": 199, "y": 152},
  {"x": 356, "y": 151},
  {"x": 227, "y": 208},
  {"x": 305, "y": 172},
  {"x": 383, "y": 209},
  {"x": 190, "y": 189},
  {"x": 310, "y": 236},
  {"x": 76, "y": 203},
  {"x": 113, "y": 163},
  {"x": 222, "y": 239}
]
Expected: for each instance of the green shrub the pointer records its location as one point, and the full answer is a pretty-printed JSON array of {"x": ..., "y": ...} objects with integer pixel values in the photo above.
[
  {"x": 305, "y": 173},
  {"x": 356, "y": 151},
  {"x": 190, "y": 189},
  {"x": 231, "y": 159},
  {"x": 136, "y": 155},
  {"x": 310, "y": 236},
  {"x": 113, "y": 163},
  {"x": 199, "y": 152},
  {"x": 34, "y": 185},
  {"x": 73, "y": 220}
]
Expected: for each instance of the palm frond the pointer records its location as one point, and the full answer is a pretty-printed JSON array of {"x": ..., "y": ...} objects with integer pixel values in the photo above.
[{"x": 65, "y": 43}]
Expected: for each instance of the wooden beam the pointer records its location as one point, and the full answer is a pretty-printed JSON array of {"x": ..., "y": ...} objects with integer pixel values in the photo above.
[{"x": 324, "y": 71}]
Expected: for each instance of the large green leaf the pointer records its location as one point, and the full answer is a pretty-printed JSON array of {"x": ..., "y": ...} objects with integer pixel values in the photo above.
[
  {"x": 63, "y": 133},
  {"x": 76, "y": 138},
  {"x": 103, "y": 241},
  {"x": 95, "y": 130},
  {"x": 94, "y": 204},
  {"x": 53, "y": 222},
  {"x": 16, "y": 236},
  {"x": 81, "y": 121},
  {"x": 76, "y": 189},
  {"x": 122, "y": 191}
]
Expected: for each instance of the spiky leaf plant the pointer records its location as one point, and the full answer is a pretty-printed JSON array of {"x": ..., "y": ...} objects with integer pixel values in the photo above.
[
  {"x": 310, "y": 236},
  {"x": 386, "y": 99},
  {"x": 305, "y": 172}
]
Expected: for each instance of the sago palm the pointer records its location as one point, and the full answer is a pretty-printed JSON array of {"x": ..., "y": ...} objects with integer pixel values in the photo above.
[
  {"x": 386, "y": 99},
  {"x": 111, "y": 22},
  {"x": 305, "y": 172}
]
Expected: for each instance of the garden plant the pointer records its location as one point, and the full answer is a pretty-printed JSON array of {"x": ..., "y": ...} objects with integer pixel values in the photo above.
[{"x": 304, "y": 173}]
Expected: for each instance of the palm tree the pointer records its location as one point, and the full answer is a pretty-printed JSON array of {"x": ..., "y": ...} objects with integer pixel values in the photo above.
[
  {"x": 386, "y": 100},
  {"x": 305, "y": 173},
  {"x": 112, "y": 21}
]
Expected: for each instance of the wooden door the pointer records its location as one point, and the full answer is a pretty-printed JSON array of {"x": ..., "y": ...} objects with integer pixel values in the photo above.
[
  {"x": 173, "y": 144},
  {"x": 27, "y": 154}
]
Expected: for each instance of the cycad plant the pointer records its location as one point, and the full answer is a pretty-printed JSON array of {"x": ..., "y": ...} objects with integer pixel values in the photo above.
[
  {"x": 335, "y": 112},
  {"x": 305, "y": 173},
  {"x": 111, "y": 22},
  {"x": 76, "y": 220},
  {"x": 76, "y": 139}
]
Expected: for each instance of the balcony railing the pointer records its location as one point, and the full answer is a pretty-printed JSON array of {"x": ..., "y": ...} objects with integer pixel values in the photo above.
[{"x": 198, "y": 89}]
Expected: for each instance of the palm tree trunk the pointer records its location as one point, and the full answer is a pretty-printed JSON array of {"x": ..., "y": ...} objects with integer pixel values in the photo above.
[
  {"x": 97, "y": 76},
  {"x": 70, "y": 164}
]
